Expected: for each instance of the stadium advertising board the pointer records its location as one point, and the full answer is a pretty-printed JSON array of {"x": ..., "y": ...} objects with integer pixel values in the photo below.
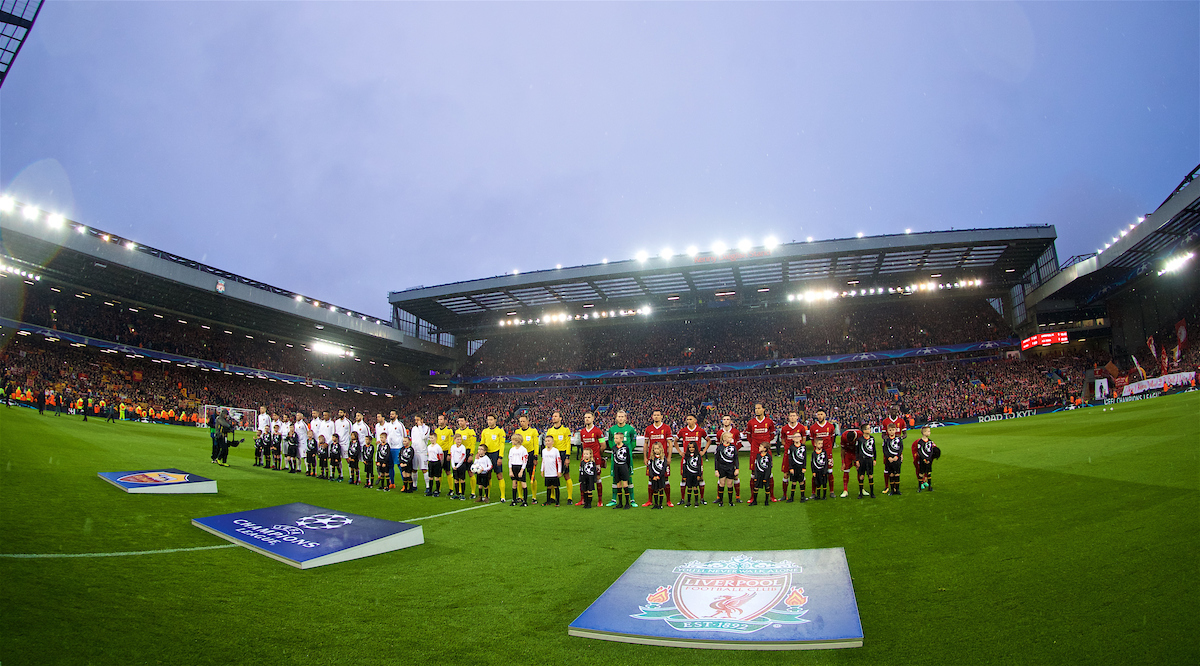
[
  {"x": 1044, "y": 340},
  {"x": 915, "y": 352},
  {"x": 735, "y": 600},
  {"x": 1158, "y": 383},
  {"x": 160, "y": 482},
  {"x": 307, "y": 536}
]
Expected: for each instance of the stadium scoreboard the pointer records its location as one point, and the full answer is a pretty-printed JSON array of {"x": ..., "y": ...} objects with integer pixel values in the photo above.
[{"x": 1044, "y": 339}]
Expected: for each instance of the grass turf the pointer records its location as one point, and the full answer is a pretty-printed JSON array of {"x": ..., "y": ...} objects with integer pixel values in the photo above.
[{"x": 1069, "y": 537}]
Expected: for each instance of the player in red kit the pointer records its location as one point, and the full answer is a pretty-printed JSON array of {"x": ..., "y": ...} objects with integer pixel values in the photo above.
[
  {"x": 657, "y": 433},
  {"x": 792, "y": 434},
  {"x": 691, "y": 433},
  {"x": 894, "y": 418},
  {"x": 589, "y": 440},
  {"x": 727, "y": 426},
  {"x": 761, "y": 432},
  {"x": 822, "y": 433},
  {"x": 850, "y": 437}
]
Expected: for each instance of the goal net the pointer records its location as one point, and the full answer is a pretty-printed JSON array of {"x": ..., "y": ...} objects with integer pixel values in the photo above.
[{"x": 243, "y": 419}]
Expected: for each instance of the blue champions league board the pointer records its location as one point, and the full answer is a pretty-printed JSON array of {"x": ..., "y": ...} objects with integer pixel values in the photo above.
[
  {"x": 738, "y": 600},
  {"x": 307, "y": 536},
  {"x": 161, "y": 481}
]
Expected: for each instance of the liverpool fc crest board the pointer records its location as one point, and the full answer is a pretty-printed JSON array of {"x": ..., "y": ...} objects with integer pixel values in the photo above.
[{"x": 738, "y": 600}]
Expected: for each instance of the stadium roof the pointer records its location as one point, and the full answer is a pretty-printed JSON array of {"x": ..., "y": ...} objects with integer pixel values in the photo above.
[
  {"x": 741, "y": 277},
  {"x": 16, "y": 19},
  {"x": 89, "y": 258},
  {"x": 1134, "y": 251}
]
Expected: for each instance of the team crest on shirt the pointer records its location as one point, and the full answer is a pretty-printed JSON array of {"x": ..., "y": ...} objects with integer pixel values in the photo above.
[
  {"x": 739, "y": 595},
  {"x": 154, "y": 477}
]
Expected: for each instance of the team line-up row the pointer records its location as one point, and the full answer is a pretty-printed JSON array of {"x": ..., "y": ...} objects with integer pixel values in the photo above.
[{"x": 471, "y": 460}]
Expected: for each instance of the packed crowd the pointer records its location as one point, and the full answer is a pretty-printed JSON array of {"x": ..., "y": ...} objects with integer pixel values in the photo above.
[
  {"x": 109, "y": 319},
  {"x": 929, "y": 391},
  {"x": 831, "y": 329}
]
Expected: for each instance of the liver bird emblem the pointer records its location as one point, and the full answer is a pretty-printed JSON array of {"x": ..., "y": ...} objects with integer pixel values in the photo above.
[{"x": 729, "y": 604}]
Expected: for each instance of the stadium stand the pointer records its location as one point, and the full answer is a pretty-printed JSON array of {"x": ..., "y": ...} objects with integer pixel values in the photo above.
[{"x": 742, "y": 337}]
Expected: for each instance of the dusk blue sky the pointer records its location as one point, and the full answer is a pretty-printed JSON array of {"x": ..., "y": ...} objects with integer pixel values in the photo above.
[{"x": 343, "y": 150}]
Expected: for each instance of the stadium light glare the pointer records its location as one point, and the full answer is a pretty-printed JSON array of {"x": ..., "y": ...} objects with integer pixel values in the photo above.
[
  {"x": 642, "y": 256},
  {"x": 791, "y": 297},
  {"x": 54, "y": 220},
  {"x": 646, "y": 310},
  {"x": 810, "y": 239},
  {"x": 1141, "y": 219},
  {"x": 764, "y": 289},
  {"x": 81, "y": 229},
  {"x": 6, "y": 204},
  {"x": 317, "y": 304},
  {"x": 604, "y": 260},
  {"x": 666, "y": 253},
  {"x": 744, "y": 245},
  {"x": 719, "y": 247},
  {"x": 30, "y": 212},
  {"x": 611, "y": 313},
  {"x": 1123, "y": 232},
  {"x": 860, "y": 234},
  {"x": 770, "y": 242},
  {"x": 908, "y": 231},
  {"x": 672, "y": 298},
  {"x": 1176, "y": 263},
  {"x": 105, "y": 238},
  {"x": 516, "y": 272},
  {"x": 692, "y": 250},
  {"x": 558, "y": 265},
  {"x": 130, "y": 245}
]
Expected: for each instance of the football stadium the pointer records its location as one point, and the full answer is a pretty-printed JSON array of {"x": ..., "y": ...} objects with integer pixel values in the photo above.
[{"x": 929, "y": 447}]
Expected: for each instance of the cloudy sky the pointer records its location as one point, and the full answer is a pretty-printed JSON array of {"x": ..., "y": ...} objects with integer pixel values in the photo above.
[{"x": 345, "y": 150}]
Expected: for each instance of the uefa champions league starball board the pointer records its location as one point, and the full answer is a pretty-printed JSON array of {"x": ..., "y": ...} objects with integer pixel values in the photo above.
[
  {"x": 738, "y": 600},
  {"x": 307, "y": 536},
  {"x": 160, "y": 481}
]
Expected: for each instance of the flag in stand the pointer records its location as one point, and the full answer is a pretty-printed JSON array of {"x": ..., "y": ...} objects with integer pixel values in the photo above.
[
  {"x": 1181, "y": 336},
  {"x": 1150, "y": 344}
]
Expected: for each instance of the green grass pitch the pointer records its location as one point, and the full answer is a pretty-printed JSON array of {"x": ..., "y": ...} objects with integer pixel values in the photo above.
[{"x": 1071, "y": 537}]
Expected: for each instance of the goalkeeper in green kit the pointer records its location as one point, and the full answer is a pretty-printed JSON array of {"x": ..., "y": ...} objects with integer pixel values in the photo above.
[{"x": 623, "y": 427}]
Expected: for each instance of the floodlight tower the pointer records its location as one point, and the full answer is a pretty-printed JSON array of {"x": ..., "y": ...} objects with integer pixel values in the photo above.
[{"x": 16, "y": 20}]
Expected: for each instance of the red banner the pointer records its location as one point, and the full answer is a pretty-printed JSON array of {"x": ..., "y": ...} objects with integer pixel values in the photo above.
[{"x": 1181, "y": 335}]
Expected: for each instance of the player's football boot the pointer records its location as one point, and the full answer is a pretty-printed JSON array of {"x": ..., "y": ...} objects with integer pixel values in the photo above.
[
  {"x": 845, "y": 493},
  {"x": 579, "y": 503},
  {"x": 670, "y": 505},
  {"x": 648, "y": 503}
]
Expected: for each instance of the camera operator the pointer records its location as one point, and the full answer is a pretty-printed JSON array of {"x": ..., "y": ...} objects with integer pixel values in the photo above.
[{"x": 221, "y": 429}]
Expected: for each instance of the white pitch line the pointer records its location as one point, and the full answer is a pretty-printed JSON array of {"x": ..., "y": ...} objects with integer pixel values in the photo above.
[
  {"x": 40, "y": 556},
  {"x": 43, "y": 556},
  {"x": 439, "y": 515}
]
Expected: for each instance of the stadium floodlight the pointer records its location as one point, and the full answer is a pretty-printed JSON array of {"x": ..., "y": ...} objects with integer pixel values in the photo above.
[
  {"x": 791, "y": 297},
  {"x": 332, "y": 309},
  {"x": 317, "y": 304},
  {"x": 744, "y": 245},
  {"x": 642, "y": 256},
  {"x": 1123, "y": 232},
  {"x": 81, "y": 229},
  {"x": 1176, "y": 263},
  {"x": 611, "y": 313},
  {"x": 810, "y": 239},
  {"x": 516, "y": 272},
  {"x": 666, "y": 253},
  {"x": 54, "y": 220},
  {"x": 130, "y": 245},
  {"x": 558, "y": 265},
  {"x": 1106, "y": 246},
  {"x": 604, "y": 260},
  {"x": 1141, "y": 219},
  {"x": 908, "y": 231},
  {"x": 770, "y": 242},
  {"x": 326, "y": 348},
  {"x": 7, "y": 204},
  {"x": 860, "y": 234},
  {"x": 646, "y": 310},
  {"x": 719, "y": 247},
  {"x": 31, "y": 212},
  {"x": 692, "y": 250},
  {"x": 105, "y": 238}
]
